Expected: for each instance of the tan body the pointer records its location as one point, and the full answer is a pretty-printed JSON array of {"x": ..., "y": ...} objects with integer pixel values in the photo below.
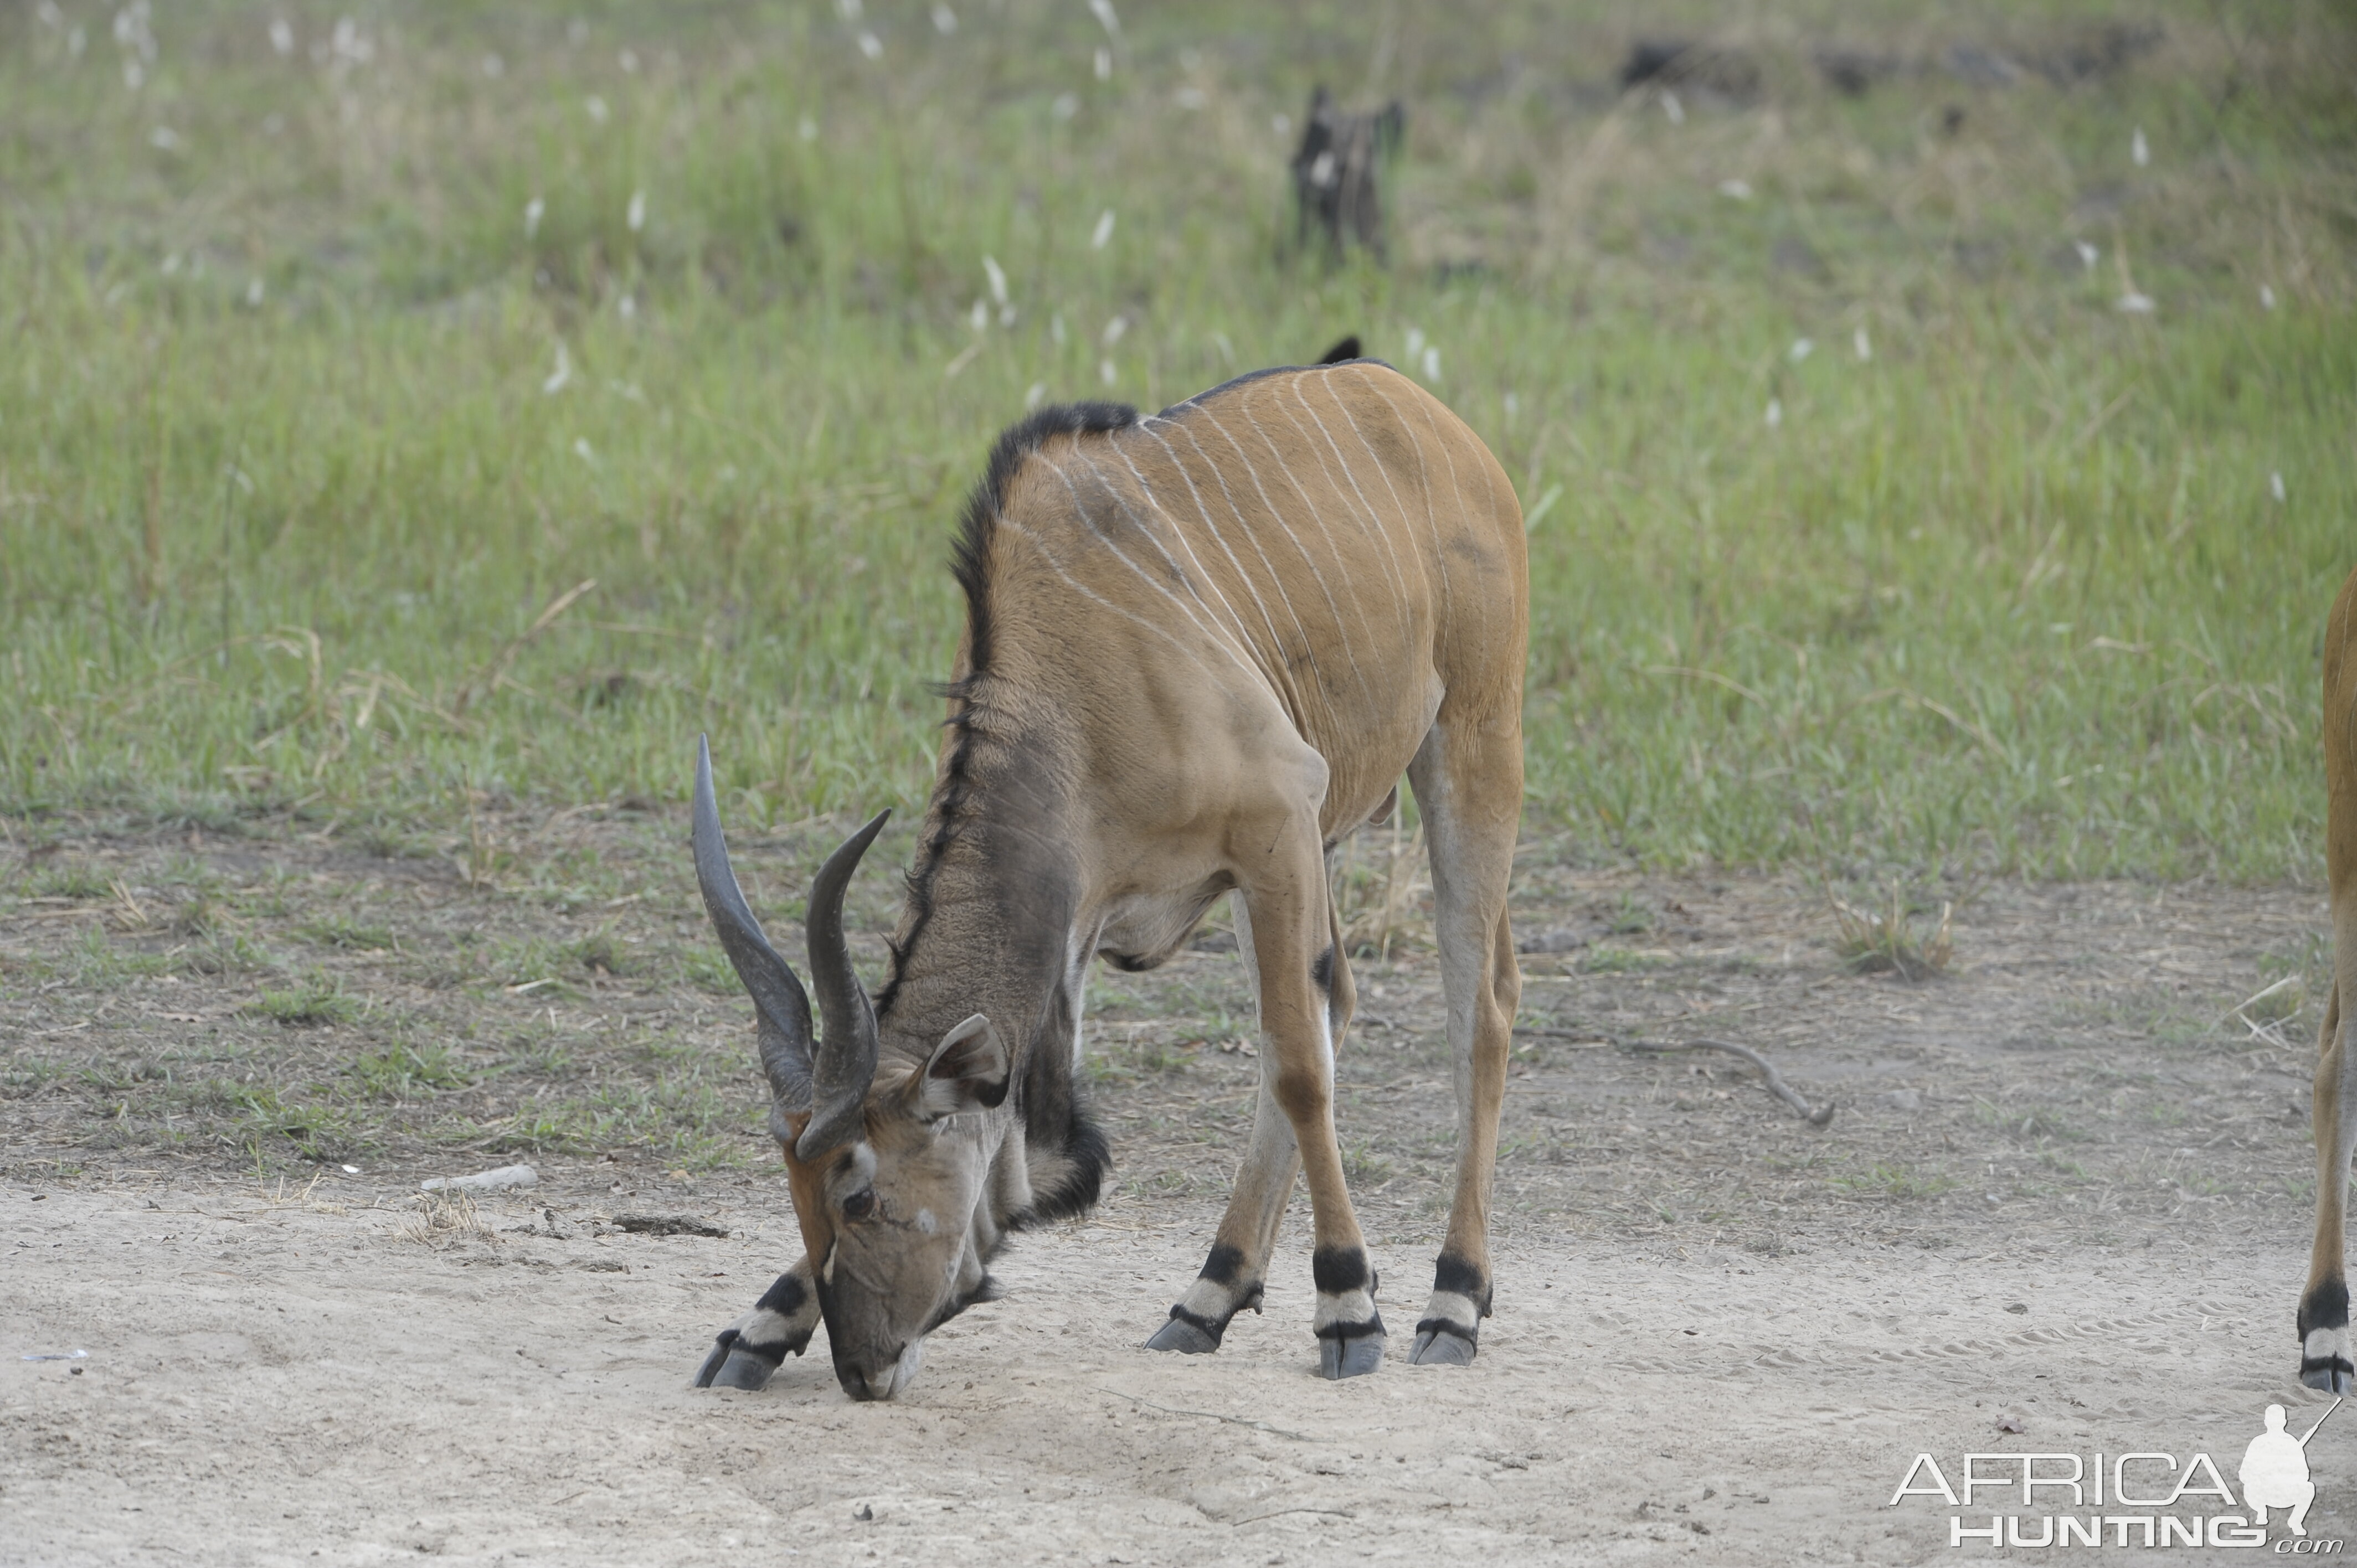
[
  {"x": 2326, "y": 1360},
  {"x": 1202, "y": 647}
]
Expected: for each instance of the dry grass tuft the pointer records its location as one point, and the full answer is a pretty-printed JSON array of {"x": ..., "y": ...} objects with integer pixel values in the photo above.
[
  {"x": 1380, "y": 878},
  {"x": 445, "y": 1218},
  {"x": 1891, "y": 939}
]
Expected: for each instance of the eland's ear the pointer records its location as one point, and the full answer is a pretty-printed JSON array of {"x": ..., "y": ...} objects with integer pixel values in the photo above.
[{"x": 968, "y": 1072}]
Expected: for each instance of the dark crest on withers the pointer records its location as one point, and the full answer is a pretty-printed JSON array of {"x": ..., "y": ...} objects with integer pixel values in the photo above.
[{"x": 827, "y": 1079}]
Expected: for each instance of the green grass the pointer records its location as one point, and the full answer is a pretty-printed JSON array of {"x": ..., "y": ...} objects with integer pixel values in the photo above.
[
  {"x": 1900, "y": 1181},
  {"x": 288, "y": 522},
  {"x": 315, "y": 1000}
]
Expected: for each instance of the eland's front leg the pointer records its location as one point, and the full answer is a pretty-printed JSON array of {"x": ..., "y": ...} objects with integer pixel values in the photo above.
[
  {"x": 1304, "y": 995},
  {"x": 1234, "y": 1273},
  {"x": 746, "y": 1354}
]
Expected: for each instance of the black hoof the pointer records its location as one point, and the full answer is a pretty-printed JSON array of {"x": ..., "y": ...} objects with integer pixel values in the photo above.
[
  {"x": 1441, "y": 1346},
  {"x": 1354, "y": 1357},
  {"x": 2331, "y": 1374},
  {"x": 714, "y": 1362},
  {"x": 745, "y": 1370},
  {"x": 1183, "y": 1337}
]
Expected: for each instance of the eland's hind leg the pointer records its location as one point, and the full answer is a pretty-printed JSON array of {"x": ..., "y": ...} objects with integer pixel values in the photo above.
[
  {"x": 748, "y": 1351},
  {"x": 1468, "y": 785}
]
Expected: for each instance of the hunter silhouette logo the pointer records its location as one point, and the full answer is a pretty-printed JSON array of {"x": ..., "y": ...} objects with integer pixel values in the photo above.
[
  {"x": 2275, "y": 1471},
  {"x": 2137, "y": 1499}
]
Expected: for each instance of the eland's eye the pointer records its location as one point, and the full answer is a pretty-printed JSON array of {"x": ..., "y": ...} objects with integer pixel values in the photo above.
[{"x": 859, "y": 1205}]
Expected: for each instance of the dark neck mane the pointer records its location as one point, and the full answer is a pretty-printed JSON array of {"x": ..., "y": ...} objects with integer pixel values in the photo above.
[
  {"x": 974, "y": 721},
  {"x": 996, "y": 887}
]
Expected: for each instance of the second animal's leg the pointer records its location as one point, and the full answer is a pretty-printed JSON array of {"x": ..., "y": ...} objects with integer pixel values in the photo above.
[
  {"x": 1468, "y": 785},
  {"x": 1233, "y": 1274},
  {"x": 749, "y": 1350},
  {"x": 2325, "y": 1356}
]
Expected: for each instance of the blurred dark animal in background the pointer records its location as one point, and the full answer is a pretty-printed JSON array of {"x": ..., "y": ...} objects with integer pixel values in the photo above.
[
  {"x": 1683, "y": 64},
  {"x": 1335, "y": 173}
]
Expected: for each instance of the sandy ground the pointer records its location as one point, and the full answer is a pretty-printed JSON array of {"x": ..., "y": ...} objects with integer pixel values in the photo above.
[
  {"x": 281, "y": 1383},
  {"x": 2065, "y": 1192}
]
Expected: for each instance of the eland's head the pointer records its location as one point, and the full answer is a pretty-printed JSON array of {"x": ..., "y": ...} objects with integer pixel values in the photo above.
[{"x": 890, "y": 1155}]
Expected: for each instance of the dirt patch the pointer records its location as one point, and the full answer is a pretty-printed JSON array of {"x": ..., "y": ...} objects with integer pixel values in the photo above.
[{"x": 2066, "y": 1185}]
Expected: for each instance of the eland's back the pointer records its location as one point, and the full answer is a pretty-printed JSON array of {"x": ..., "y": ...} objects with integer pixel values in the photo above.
[{"x": 1331, "y": 538}]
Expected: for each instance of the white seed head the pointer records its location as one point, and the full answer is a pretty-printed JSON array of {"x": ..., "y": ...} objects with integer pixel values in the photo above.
[
  {"x": 2088, "y": 255},
  {"x": 979, "y": 316},
  {"x": 1673, "y": 109},
  {"x": 1113, "y": 330},
  {"x": 1103, "y": 10},
  {"x": 1103, "y": 63},
  {"x": 870, "y": 45},
  {"x": 945, "y": 20},
  {"x": 2135, "y": 303},
  {"x": 2138, "y": 149},
  {"x": 598, "y": 110},
  {"x": 1431, "y": 364},
  {"x": 1775, "y": 413},
  {"x": 533, "y": 210},
  {"x": 1863, "y": 344},
  {"x": 1737, "y": 189},
  {"x": 1802, "y": 348},
  {"x": 2276, "y": 486},
  {"x": 254, "y": 292},
  {"x": 2266, "y": 297},
  {"x": 998, "y": 276},
  {"x": 1034, "y": 395},
  {"x": 1105, "y": 372},
  {"x": 559, "y": 377},
  {"x": 282, "y": 35},
  {"x": 1067, "y": 105},
  {"x": 581, "y": 449},
  {"x": 636, "y": 213},
  {"x": 1103, "y": 234}
]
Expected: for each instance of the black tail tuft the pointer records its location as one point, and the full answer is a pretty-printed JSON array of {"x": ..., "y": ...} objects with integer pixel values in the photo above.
[{"x": 1348, "y": 349}]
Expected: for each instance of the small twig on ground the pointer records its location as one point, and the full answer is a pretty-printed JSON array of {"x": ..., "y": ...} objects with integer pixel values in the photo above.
[
  {"x": 1816, "y": 1116},
  {"x": 2257, "y": 997}
]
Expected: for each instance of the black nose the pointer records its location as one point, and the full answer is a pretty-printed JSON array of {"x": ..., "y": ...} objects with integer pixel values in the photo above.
[{"x": 864, "y": 1385}]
